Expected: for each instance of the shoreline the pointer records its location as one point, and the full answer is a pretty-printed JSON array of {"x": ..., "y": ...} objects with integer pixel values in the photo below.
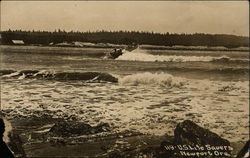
[{"x": 102, "y": 145}]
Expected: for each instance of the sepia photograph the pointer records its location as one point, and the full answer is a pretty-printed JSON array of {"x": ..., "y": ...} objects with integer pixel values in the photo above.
[{"x": 124, "y": 79}]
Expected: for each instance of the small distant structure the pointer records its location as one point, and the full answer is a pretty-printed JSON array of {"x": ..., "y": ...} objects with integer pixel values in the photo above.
[{"x": 18, "y": 42}]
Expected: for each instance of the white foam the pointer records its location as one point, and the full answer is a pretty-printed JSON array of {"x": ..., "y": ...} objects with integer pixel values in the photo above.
[
  {"x": 22, "y": 77},
  {"x": 11, "y": 75},
  {"x": 153, "y": 107},
  {"x": 45, "y": 72},
  {"x": 141, "y": 55},
  {"x": 147, "y": 78}
]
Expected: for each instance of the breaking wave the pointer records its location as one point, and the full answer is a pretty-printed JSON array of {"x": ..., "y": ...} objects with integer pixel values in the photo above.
[
  {"x": 142, "y": 55},
  {"x": 147, "y": 78},
  {"x": 52, "y": 75}
]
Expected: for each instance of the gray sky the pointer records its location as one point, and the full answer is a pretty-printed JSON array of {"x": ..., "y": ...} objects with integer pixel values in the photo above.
[{"x": 223, "y": 17}]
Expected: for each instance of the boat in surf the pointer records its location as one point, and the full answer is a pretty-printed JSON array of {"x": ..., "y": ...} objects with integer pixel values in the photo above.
[{"x": 115, "y": 53}]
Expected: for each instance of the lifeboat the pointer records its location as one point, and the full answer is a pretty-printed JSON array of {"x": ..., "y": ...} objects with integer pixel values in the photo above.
[{"x": 115, "y": 53}]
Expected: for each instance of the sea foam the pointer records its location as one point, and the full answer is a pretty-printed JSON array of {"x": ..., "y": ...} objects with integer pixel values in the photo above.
[
  {"x": 142, "y": 55},
  {"x": 147, "y": 78}
]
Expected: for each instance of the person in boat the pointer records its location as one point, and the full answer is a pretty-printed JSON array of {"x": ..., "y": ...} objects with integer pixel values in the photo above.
[{"x": 116, "y": 53}]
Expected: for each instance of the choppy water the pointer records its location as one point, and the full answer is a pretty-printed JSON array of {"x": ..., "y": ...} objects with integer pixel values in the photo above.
[{"x": 150, "y": 94}]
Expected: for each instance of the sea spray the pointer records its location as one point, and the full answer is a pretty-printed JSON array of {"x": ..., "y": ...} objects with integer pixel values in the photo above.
[
  {"x": 142, "y": 55},
  {"x": 147, "y": 78}
]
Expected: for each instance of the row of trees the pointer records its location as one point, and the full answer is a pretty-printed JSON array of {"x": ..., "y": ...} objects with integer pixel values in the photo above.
[{"x": 124, "y": 37}]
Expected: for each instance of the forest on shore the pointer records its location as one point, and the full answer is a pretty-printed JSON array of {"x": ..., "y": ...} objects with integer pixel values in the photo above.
[{"x": 124, "y": 37}]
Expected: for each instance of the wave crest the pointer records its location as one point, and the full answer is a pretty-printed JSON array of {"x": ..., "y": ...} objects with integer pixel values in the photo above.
[
  {"x": 52, "y": 75},
  {"x": 142, "y": 55},
  {"x": 147, "y": 78}
]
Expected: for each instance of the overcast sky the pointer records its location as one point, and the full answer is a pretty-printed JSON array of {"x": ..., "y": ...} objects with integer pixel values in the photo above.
[{"x": 223, "y": 17}]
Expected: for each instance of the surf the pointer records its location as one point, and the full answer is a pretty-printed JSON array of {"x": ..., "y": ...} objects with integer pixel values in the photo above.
[
  {"x": 143, "y": 55},
  {"x": 61, "y": 76},
  {"x": 147, "y": 78}
]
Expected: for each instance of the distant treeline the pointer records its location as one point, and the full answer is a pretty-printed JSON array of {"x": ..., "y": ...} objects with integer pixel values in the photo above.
[{"x": 124, "y": 37}]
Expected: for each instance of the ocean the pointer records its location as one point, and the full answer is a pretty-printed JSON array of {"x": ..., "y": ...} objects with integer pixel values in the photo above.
[{"x": 143, "y": 91}]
